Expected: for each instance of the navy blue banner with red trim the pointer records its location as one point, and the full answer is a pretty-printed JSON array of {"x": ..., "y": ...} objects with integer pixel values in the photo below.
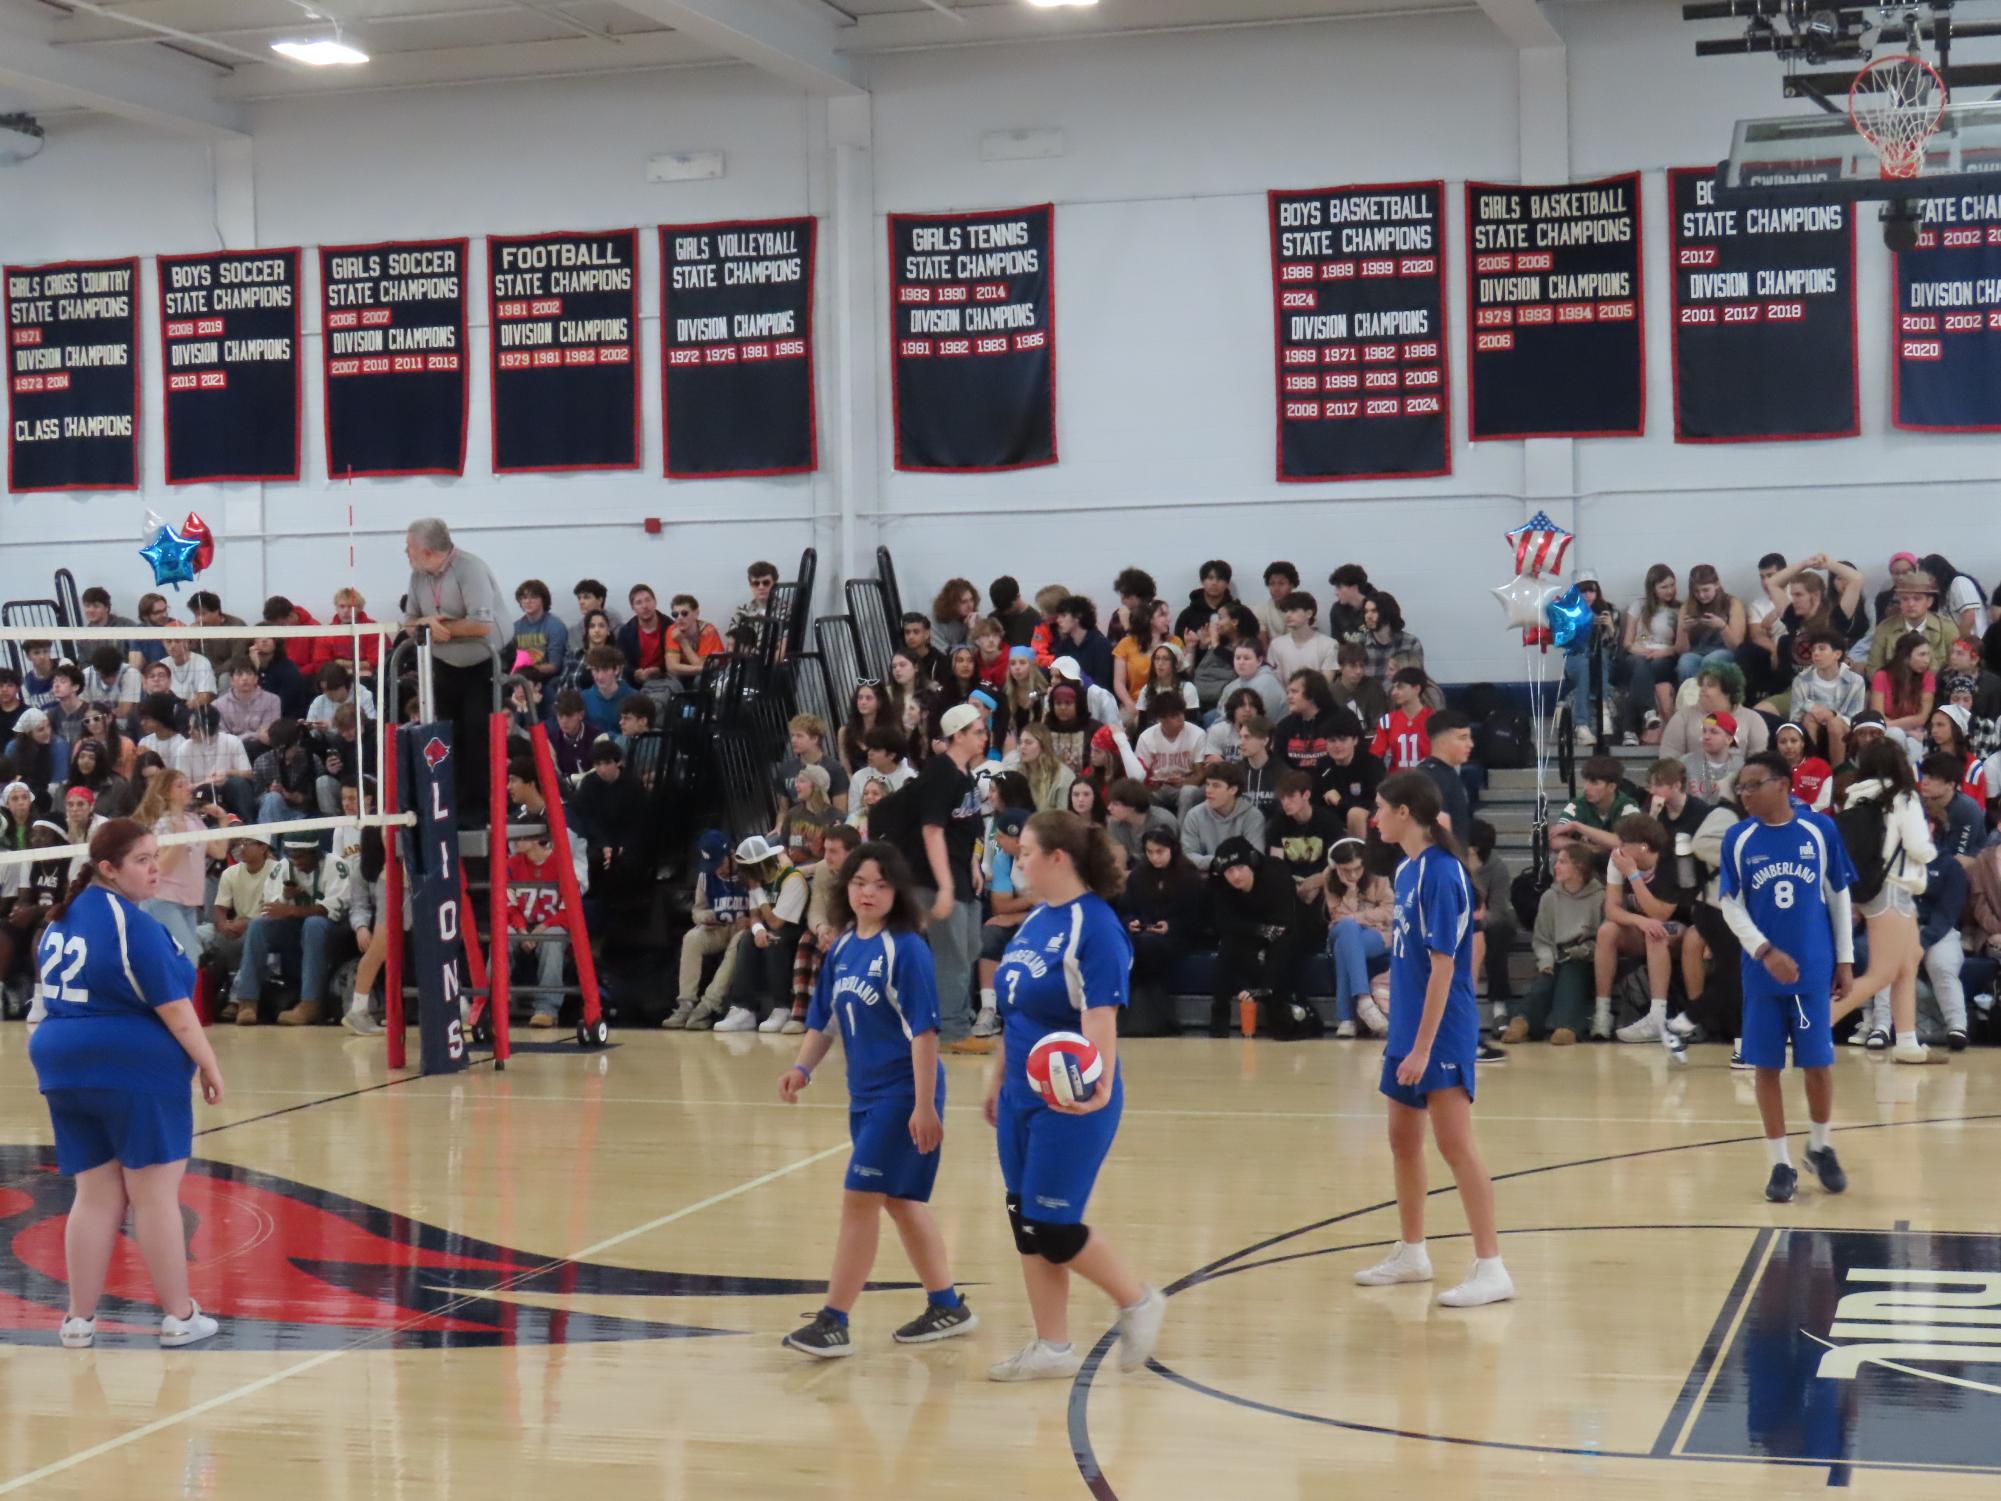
[
  {"x": 393, "y": 317},
  {"x": 1945, "y": 358},
  {"x": 229, "y": 353},
  {"x": 73, "y": 376}
]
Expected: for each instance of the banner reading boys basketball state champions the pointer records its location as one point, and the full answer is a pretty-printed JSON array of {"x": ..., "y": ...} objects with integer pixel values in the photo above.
[
  {"x": 1945, "y": 362},
  {"x": 73, "y": 376},
  {"x": 973, "y": 339},
  {"x": 1358, "y": 283},
  {"x": 564, "y": 311},
  {"x": 737, "y": 345},
  {"x": 396, "y": 357},
  {"x": 1763, "y": 317},
  {"x": 229, "y": 345},
  {"x": 1555, "y": 342}
]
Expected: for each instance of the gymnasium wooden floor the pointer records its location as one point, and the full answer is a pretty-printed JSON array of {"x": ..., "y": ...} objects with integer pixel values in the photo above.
[{"x": 571, "y": 1278}]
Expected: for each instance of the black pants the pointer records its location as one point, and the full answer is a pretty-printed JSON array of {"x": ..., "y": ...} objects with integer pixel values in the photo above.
[
  {"x": 763, "y": 976},
  {"x": 1264, "y": 964},
  {"x": 1151, "y": 1013},
  {"x": 465, "y": 697},
  {"x": 1720, "y": 1008}
]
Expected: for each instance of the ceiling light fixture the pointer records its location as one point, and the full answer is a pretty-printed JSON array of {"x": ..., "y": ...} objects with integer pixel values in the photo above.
[
  {"x": 320, "y": 52},
  {"x": 1061, "y": 4}
]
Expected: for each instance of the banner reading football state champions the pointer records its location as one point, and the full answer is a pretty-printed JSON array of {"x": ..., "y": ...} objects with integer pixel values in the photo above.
[
  {"x": 1358, "y": 285},
  {"x": 73, "y": 376},
  {"x": 229, "y": 339},
  {"x": 973, "y": 339},
  {"x": 394, "y": 316}
]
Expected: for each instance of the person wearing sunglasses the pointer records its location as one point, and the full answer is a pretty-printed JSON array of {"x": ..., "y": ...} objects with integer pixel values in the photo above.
[{"x": 691, "y": 640}]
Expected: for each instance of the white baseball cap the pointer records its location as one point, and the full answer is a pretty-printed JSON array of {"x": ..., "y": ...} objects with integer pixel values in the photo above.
[
  {"x": 754, "y": 851},
  {"x": 1066, "y": 667},
  {"x": 959, "y": 717}
]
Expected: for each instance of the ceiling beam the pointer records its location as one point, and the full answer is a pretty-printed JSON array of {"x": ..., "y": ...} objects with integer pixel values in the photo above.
[
  {"x": 1522, "y": 22},
  {"x": 152, "y": 95},
  {"x": 789, "y": 44}
]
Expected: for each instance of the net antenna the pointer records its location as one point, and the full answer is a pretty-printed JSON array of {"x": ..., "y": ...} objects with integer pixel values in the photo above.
[{"x": 1896, "y": 104}]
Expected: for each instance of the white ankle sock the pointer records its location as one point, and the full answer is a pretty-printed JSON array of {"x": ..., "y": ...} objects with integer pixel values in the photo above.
[
  {"x": 1778, "y": 1152},
  {"x": 1907, "y": 1039},
  {"x": 1410, "y": 1249},
  {"x": 1603, "y": 1003},
  {"x": 357, "y": 1003},
  {"x": 1487, "y": 1264},
  {"x": 986, "y": 998},
  {"x": 1817, "y": 1134}
]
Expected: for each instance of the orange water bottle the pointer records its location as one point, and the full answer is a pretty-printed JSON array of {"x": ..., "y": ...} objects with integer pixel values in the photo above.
[{"x": 1247, "y": 1014}]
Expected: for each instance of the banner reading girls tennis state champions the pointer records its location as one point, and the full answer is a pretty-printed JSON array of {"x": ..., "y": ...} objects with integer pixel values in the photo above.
[
  {"x": 737, "y": 342},
  {"x": 1763, "y": 319},
  {"x": 1946, "y": 360},
  {"x": 1554, "y": 277},
  {"x": 394, "y": 316},
  {"x": 1358, "y": 279},
  {"x": 229, "y": 345},
  {"x": 73, "y": 376},
  {"x": 565, "y": 318},
  {"x": 973, "y": 339}
]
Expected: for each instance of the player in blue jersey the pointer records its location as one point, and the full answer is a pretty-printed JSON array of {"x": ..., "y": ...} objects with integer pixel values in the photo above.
[
  {"x": 1433, "y": 1044},
  {"x": 113, "y": 1057},
  {"x": 1065, "y": 970},
  {"x": 1785, "y": 878},
  {"x": 878, "y": 985}
]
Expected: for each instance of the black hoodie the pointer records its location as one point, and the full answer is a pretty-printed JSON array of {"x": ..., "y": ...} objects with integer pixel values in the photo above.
[
  {"x": 1199, "y": 612},
  {"x": 1256, "y": 917}
]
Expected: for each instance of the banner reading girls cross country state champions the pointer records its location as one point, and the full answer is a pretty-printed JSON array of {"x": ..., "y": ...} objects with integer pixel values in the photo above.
[
  {"x": 73, "y": 376},
  {"x": 973, "y": 339},
  {"x": 1945, "y": 363},
  {"x": 1358, "y": 282},
  {"x": 229, "y": 341},
  {"x": 1555, "y": 292},
  {"x": 397, "y": 380}
]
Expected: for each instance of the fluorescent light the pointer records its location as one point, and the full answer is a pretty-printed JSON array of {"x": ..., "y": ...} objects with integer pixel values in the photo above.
[
  {"x": 1060, "y": 4},
  {"x": 321, "y": 53}
]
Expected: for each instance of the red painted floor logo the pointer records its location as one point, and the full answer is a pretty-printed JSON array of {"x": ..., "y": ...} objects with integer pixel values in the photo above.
[
  {"x": 285, "y": 1266},
  {"x": 435, "y": 751}
]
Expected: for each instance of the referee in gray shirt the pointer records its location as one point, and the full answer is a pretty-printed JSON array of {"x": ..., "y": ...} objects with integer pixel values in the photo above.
[{"x": 454, "y": 594}]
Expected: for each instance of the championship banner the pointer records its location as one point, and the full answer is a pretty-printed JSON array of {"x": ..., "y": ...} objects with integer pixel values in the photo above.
[
  {"x": 229, "y": 349},
  {"x": 73, "y": 376},
  {"x": 1555, "y": 292},
  {"x": 736, "y": 319},
  {"x": 1358, "y": 290},
  {"x": 1763, "y": 317},
  {"x": 973, "y": 339},
  {"x": 425, "y": 784},
  {"x": 394, "y": 316},
  {"x": 1945, "y": 366},
  {"x": 564, "y": 310}
]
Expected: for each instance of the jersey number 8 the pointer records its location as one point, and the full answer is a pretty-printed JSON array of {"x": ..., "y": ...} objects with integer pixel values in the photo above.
[
  {"x": 1782, "y": 895},
  {"x": 53, "y": 949}
]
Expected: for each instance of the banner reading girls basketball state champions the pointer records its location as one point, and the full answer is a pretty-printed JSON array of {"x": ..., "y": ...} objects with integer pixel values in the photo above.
[
  {"x": 1763, "y": 318},
  {"x": 73, "y": 376},
  {"x": 1358, "y": 278},
  {"x": 737, "y": 340},
  {"x": 1556, "y": 299},
  {"x": 565, "y": 320},
  {"x": 394, "y": 317},
  {"x": 229, "y": 345},
  {"x": 973, "y": 339},
  {"x": 1946, "y": 361}
]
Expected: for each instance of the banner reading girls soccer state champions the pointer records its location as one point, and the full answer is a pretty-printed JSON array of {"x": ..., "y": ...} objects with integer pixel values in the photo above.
[
  {"x": 229, "y": 342},
  {"x": 397, "y": 378},
  {"x": 1555, "y": 343},
  {"x": 1945, "y": 362},
  {"x": 1358, "y": 285},
  {"x": 973, "y": 339},
  {"x": 73, "y": 376}
]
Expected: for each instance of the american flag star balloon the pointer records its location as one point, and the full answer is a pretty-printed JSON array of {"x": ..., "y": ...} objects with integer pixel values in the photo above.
[{"x": 1540, "y": 545}]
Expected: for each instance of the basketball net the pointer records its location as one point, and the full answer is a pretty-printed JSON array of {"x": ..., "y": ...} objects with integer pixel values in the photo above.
[{"x": 1897, "y": 104}]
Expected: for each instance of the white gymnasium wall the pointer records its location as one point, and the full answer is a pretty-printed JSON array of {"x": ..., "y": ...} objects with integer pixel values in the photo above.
[{"x": 1164, "y": 352}]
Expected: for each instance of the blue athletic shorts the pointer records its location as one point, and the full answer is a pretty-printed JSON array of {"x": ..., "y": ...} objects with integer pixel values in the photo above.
[
  {"x": 1049, "y": 1160},
  {"x": 96, "y": 1126},
  {"x": 1441, "y": 1073},
  {"x": 885, "y": 1160},
  {"x": 1770, "y": 1022}
]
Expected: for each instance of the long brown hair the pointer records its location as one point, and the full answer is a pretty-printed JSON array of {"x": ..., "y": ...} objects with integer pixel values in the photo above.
[
  {"x": 1648, "y": 598},
  {"x": 1700, "y": 574},
  {"x": 1417, "y": 795},
  {"x": 906, "y": 913},
  {"x": 1907, "y": 684},
  {"x": 1088, "y": 846},
  {"x": 109, "y": 845},
  {"x": 153, "y": 806}
]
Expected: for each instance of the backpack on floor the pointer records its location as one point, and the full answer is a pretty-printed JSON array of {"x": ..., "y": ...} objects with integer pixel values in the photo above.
[
  {"x": 1505, "y": 741},
  {"x": 1862, "y": 827}
]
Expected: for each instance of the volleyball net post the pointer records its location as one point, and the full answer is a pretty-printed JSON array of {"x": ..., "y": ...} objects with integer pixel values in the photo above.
[{"x": 500, "y": 970}]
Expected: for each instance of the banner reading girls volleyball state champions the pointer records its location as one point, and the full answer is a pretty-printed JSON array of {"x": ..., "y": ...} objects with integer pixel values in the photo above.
[
  {"x": 1556, "y": 345},
  {"x": 737, "y": 345},
  {"x": 973, "y": 339},
  {"x": 565, "y": 321},
  {"x": 73, "y": 376},
  {"x": 1764, "y": 317},
  {"x": 1946, "y": 365},
  {"x": 394, "y": 317},
  {"x": 1358, "y": 282},
  {"x": 229, "y": 345}
]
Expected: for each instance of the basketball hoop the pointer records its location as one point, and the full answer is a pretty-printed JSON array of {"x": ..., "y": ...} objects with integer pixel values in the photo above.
[{"x": 1896, "y": 104}]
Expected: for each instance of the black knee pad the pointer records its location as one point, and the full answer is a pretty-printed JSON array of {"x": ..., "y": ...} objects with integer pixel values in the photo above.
[
  {"x": 1055, "y": 1244},
  {"x": 1023, "y": 1241}
]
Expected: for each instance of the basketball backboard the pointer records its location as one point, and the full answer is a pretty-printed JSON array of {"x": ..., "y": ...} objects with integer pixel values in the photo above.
[{"x": 1821, "y": 158}]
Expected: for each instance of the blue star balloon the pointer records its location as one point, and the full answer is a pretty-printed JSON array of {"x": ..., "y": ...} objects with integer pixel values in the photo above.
[
  {"x": 172, "y": 557},
  {"x": 1569, "y": 616}
]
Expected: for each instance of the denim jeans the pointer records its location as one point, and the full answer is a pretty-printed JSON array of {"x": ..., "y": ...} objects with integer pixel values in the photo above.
[
  {"x": 1352, "y": 946},
  {"x": 315, "y": 942},
  {"x": 955, "y": 946},
  {"x": 179, "y": 921},
  {"x": 1692, "y": 662},
  {"x": 1642, "y": 673},
  {"x": 1586, "y": 705},
  {"x": 549, "y": 975}
]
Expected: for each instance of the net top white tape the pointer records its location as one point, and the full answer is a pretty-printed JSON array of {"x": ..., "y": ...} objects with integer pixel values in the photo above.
[
  {"x": 370, "y": 628},
  {"x": 268, "y": 833}
]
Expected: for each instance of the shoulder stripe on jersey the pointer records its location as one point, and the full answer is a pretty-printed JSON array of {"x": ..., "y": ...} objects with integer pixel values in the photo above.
[
  {"x": 1465, "y": 912},
  {"x": 1820, "y": 843},
  {"x": 1073, "y": 972},
  {"x": 889, "y": 982},
  {"x": 124, "y": 953}
]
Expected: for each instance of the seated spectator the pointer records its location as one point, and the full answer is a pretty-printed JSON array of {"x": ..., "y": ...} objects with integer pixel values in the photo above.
[
  {"x": 28, "y": 894},
  {"x": 821, "y": 934},
  {"x": 1048, "y": 778},
  {"x": 1251, "y": 671},
  {"x": 595, "y": 631},
  {"x": 1281, "y": 579},
  {"x": 1964, "y": 664},
  {"x": 1758, "y": 657},
  {"x": 591, "y": 596},
  {"x": 1948, "y": 731},
  {"x": 339, "y": 644},
  {"x": 923, "y": 653},
  {"x": 691, "y": 641},
  {"x": 1812, "y": 777},
  {"x": 1080, "y": 640},
  {"x": 608, "y": 688},
  {"x": 807, "y": 816},
  {"x": 1310, "y": 720},
  {"x": 216, "y": 765},
  {"x": 276, "y": 674},
  {"x": 1302, "y": 647},
  {"x": 1963, "y": 602},
  {"x": 39, "y": 759},
  {"x": 1096, "y": 700},
  {"x": 1018, "y": 621},
  {"x": 1298, "y": 838},
  {"x": 1352, "y": 590},
  {"x": 539, "y": 634},
  {"x": 1345, "y": 782},
  {"x": 1256, "y": 916},
  {"x": 1046, "y": 640},
  {"x": 1261, "y": 768},
  {"x": 159, "y": 721},
  {"x": 1403, "y": 739},
  {"x": 96, "y": 602},
  {"x": 1132, "y": 653},
  {"x": 11, "y": 702},
  {"x": 1210, "y": 654},
  {"x": 643, "y": 640},
  {"x": 1712, "y": 624},
  {"x": 1450, "y": 735},
  {"x": 610, "y": 808},
  {"x": 1007, "y": 907},
  {"x": 570, "y": 736},
  {"x": 635, "y": 718},
  {"x": 757, "y": 617},
  {"x": 1129, "y": 812},
  {"x": 17, "y": 801},
  {"x": 1643, "y": 912},
  {"x": 1917, "y": 600},
  {"x": 68, "y": 705},
  {"x": 190, "y": 676},
  {"x": 1170, "y": 751},
  {"x": 1558, "y": 1005},
  {"x": 1221, "y": 741},
  {"x": 720, "y": 915},
  {"x": 1222, "y": 814},
  {"x": 962, "y": 677},
  {"x": 156, "y": 677},
  {"x": 206, "y": 607},
  {"x": 1652, "y": 646},
  {"x": 1161, "y": 907},
  {"x": 1808, "y": 603},
  {"x": 1493, "y": 911},
  {"x": 520, "y": 696},
  {"x": 1904, "y": 688},
  {"x": 990, "y": 652},
  {"x": 1961, "y": 821},
  {"x": 762, "y": 982},
  {"x": 1593, "y": 817},
  {"x": 1826, "y": 696},
  {"x": 1391, "y": 649},
  {"x": 1591, "y": 696},
  {"x": 1866, "y": 731},
  {"x": 38, "y": 680},
  {"x": 248, "y": 709},
  {"x": 112, "y": 680},
  {"x": 868, "y": 709},
  {"x": 809, "y": 748},
  {"x": 1165, "y": 680},
  {"x": 1069, "y": 731},
  {"x": 1360, "y": 906},
  {"x": 1719, "y": 691},
  {"x": 304, "y": 925},
  {"x": 245, "y": 889},
  {"x": 1717, "y": 759},
  {"x": 1354, "y": 690},
  {"x": 535, "y": 914},
  {"x": 337, "y": 687},
  {"x": 118, "y": 748},
  {"x": 1207, "y": 601},
  {"x": 285, "y": 778},
  {"x": 954, "y": 612},
  {"x": 90, "y": 770}
]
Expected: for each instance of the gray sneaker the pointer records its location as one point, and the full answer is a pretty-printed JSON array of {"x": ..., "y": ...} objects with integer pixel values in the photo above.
[
  {"x": 826, "y": 1338},
  {"x": 988, "y": 1023},
  {"x": 677, "y": 1019},
  {"x": 703, "y": 1018},
  {"x": 937, "y": 1323}
]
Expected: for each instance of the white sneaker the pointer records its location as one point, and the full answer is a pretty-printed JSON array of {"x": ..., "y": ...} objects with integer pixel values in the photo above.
[
  {"x": 1859, "y": 1037},
  {"x": 1038, "y": 1360},
  {"x": 987, "y": 1023},
  {"x": 793, "y": 1026},
  {"x": 1681, "y": 1025},
  {"x": 1371, "y": 1015},
  {"x": 1676, "y": 1048},
  {"x": 1344, "y": 1029},
  {"x": 1139, "y": 1329},
  {"x": 1488, "y": 1283},
  {"x": 1601, "y": 1020},
  {"x": 38, "y": 1011},
  {"x": 1916, "y": 1052},
  {"x": 1585, "y": 738},
  {"x": 1404, "y": 1264},
  {"x": 739, "y": 1019},
  {"x": 195, "y": 1327},
  {"x": 1646, "y": 1029},
  {"x": 78, "y": 1334},
  {"x": 777, "y": 1019},
  {"x": 359, "y": 1021}
]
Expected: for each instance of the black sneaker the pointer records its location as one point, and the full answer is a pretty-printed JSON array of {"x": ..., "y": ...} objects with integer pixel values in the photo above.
[
  {"x": 1827, "y": 1169},
  {"x": 1739, "y": 1063},
  {"x": 826, "y": 1338},
  {"x": 1877, "y": 1040},
  {"x": 1955, "y": 1042},
  {"x": 1779, "y": 1188},
  {"x": 938, "y": 1323},
  {"x": 1489, "y": 1054}
]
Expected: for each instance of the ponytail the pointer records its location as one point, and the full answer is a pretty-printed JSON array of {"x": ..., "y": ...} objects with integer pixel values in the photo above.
[
  {"x": 1414, "y": 792},
  {"x": 1089, "y": 847}
]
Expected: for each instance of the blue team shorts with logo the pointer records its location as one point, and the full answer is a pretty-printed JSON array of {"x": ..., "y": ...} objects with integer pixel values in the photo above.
[
  {"x": 1440, "y": 1073},
  {"x": 885, "y": 1160},
  {"x": 1770, "y": 1022}
]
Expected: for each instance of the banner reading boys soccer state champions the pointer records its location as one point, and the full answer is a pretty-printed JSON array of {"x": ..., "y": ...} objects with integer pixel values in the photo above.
[
  {"x": 1358, "y": 285},
  {"x": 1763, "y": 317},
  {"x": 397, "y": 366},
  {"x": 1945, "y": 362},
  {"x": 229, "y": 342},
  {"x": 1555, "y": 345},
  {"x": 73, "y": 376},
  {"x": 973, "y": 339},
  {"x": 737, "y": 346}
]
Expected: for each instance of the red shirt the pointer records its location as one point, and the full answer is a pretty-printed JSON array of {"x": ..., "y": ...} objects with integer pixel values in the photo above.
[
  {"x": 1809, "y": 777},
  {"x": 534, "y": 894},
  {"x": 1402, "y": 740},
  {"x": 1974, "y": 782},
  {"x": 994, "y": 673},
  {"x": 652, "y": 644}
]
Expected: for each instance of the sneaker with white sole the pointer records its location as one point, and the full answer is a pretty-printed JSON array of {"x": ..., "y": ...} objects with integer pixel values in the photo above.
[
  {"x": 1371, "y": 1015},
  {"x": 740, "y": 1019},
  {"x": 677, "y": 1019},
  {"x": 1038, "y": 1360},
  {"x": 987, "y": 1023},
  {"x": 938, "y": 1322},
  {"x": 1858, "y": 1037},
  {"x": 1139, "y": 1329},
  {"x": 1675, "y": 1045},
  {"x": 1404, "y": 1264},
  {"x": 361, "y": 1022},
  {"x": 826, "y": 1338},
  {"x": 1740, "y": 1063},
  {"x": 1344, "y": 1029},
  {"x": 1682, "y": 1025},
  {"x": 794, "y": 1026},
  {"x": 1585, "y": 739},
  {"x": 1876, "y": 1040},
  {"x": 1646, "y": 1029},
  {"x": 776, "y": 1020},
  {"x": 1488, "y": 1282},
  {"x": 78, "y": 1334},
  {"x": 1917, "y": 1052},
  {"x": 197, "y": 1326},
  {"x": 704, "y": 1017},
  {"x": 1601, "y": 1021}
]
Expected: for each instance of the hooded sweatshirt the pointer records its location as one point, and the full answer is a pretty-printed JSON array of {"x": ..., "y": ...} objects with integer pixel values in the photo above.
[
  {"x": 1907, "y": 838},
  {"x": 1203, "y": 830},
  {"x": 1257, "y": 917},
  {"x": 1267, "y": 686},
  {"x": 1566, "y": 923}
]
